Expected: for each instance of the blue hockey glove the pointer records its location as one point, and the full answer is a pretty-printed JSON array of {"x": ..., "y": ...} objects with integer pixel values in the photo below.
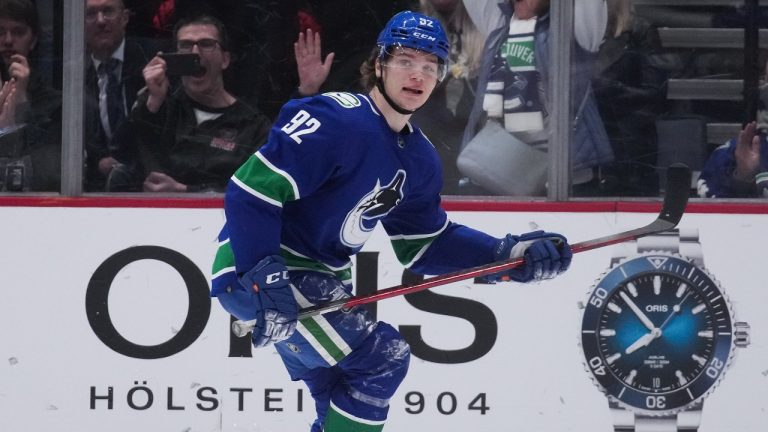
[
  {"x": 546, "y": 256},
  {"x": 276, "y": 307}
]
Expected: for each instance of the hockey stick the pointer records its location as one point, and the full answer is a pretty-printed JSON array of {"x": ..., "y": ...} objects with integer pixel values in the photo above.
[{"x": 675, "y": 200}]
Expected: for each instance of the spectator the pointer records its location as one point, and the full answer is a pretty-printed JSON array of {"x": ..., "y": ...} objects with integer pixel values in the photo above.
[
  {"x": 260, "y": 36},
  {"x": 630, "y": 91},
  {"x": 445, "y": 115},
  {"x": 513, "y": 92},
  {"x": 113, "y": 79},
  {"x": 30, "y": 147},
  {"x": 194, "y": 137},
  {"x": 738, "y": 168}
]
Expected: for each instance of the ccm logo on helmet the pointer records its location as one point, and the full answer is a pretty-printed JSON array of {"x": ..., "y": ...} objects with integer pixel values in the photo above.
[
  {"x": 421, "y": 35},
  {"x": 275, "y": 277}
]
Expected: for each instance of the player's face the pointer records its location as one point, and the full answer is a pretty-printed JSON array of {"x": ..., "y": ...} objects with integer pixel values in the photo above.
[
  {"x": 214, "y": 60},
  {"x": 409, "y": 76}
]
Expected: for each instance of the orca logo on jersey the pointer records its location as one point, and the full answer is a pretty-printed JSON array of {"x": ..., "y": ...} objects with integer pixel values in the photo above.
[
  {"x": 376, "y": 204},
  {"x": 345, "y": 99}
]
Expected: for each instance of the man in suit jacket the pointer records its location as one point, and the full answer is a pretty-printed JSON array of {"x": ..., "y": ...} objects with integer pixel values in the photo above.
[{"x": 113, "y": 79}]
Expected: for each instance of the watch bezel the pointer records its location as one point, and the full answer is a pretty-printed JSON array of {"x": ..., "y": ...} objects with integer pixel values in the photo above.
[{"x": 680, "y": 399}]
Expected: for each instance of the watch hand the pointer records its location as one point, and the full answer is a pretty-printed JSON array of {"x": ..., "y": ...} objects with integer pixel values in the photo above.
[
  {"x": 675, "y": 310},
  {"x": 643, "y": 341},
  {"x": 644, "y": 319}
]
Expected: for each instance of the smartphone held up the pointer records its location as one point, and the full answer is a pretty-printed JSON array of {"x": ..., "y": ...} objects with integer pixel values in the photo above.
[{"x": 179, "y": 64}]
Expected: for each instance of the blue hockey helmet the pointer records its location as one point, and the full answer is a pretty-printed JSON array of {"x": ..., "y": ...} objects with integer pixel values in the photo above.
[{"x": 417, "y": 31}]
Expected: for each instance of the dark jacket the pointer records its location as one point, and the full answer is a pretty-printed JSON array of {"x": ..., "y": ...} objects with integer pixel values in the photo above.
[
  {"x": 202, "y": 156},
  {"x": 121, "y": 146},
  {"x": 30, "y": 155}
]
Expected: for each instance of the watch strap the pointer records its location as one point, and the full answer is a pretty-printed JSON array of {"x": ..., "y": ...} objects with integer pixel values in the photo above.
[
  {"x": 683, "y": 241},
  {"x": 628, "y": 421}
]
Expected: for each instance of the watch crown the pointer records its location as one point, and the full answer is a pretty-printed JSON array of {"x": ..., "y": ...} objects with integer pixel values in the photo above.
[{"x": 741, "y": 334}]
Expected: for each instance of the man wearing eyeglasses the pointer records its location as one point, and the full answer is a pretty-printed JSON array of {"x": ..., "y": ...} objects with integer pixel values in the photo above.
[
  {"x": 113, "y": 79},
  {"x": 194, "y": 137}
]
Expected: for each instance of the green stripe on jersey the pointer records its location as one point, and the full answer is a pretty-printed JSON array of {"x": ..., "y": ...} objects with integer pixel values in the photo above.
[
  {"x": 224, "y": 258},
  {"x": 323, "y": 339},
  {"x": 407, "y": 249},
  {"x": 294, "y": 261},
  {"x": 337, "y": 421},
  {"x": 255, "y": 174}
]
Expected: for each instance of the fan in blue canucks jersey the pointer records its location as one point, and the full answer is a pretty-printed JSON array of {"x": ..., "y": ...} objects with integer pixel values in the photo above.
[
  {"x": 738, "y": 168},
  {"x": 335, "y": 166}
]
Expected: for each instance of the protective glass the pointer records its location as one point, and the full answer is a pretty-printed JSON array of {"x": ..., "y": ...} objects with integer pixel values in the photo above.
[
  {"x": 412, "y": 60},
  {"x": 204, "y": 45}
]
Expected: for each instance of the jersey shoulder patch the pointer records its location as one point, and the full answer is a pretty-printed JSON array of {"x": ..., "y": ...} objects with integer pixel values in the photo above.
[{"x": 345, "y": 99}]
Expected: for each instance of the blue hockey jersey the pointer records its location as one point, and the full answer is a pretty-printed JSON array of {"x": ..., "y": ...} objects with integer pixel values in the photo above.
[
  {"x": 716, "y": 179},
  {"x": 332, "y": 170}
]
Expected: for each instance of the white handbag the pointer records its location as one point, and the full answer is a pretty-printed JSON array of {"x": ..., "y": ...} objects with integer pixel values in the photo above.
[{"x": 502, "y": 164}]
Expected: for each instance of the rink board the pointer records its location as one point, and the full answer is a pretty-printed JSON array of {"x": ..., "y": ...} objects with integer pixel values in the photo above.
[{"x": 175, "y": 367}]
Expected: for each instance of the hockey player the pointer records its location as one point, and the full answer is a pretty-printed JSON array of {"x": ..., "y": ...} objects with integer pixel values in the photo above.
[{"x": 334, "y": 167}]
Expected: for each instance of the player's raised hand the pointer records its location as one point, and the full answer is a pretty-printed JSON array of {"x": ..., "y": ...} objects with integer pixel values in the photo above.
[{"x": 313, "y": 71}]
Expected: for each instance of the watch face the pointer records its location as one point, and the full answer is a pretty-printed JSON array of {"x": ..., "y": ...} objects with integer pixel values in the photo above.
[{"x": 657, "y": 333}]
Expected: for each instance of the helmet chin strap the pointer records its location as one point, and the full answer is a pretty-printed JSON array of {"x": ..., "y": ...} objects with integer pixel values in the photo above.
[{"x": 396, "y": 107}]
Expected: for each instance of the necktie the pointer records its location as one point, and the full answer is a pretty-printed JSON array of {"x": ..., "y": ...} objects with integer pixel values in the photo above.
[{"x": 115, "y": 105}]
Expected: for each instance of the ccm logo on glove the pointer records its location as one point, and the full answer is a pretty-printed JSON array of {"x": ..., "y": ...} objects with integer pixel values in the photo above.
[{"x": 275, "y": 277}]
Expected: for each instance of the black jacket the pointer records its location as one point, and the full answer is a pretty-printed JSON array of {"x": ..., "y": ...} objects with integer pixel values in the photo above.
[
  {"x": 121, "y": 146},
  {"x": 30, "y": 155},
  {"x": 202, "y": 156}
]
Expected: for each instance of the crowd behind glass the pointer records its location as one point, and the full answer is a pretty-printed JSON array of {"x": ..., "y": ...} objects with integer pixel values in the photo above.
[{"x": 154, "y": 123}]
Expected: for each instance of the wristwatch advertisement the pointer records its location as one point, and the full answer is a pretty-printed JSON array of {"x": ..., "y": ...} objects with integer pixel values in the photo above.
[{"x": 658, "y": 334}]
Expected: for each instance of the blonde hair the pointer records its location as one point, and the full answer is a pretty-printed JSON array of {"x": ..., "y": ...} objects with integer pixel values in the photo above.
[
  {"x": 468, "y": 44},
  {"x": 619, "y": 17}
]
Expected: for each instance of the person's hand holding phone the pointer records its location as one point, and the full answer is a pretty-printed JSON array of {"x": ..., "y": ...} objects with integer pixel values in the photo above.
[
  {"x": 157, "y": 82},
  {"x": 19, "y": 71}
]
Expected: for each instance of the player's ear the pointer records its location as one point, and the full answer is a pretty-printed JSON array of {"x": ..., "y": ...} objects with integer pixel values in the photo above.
[{"x": 377, "y": 67}]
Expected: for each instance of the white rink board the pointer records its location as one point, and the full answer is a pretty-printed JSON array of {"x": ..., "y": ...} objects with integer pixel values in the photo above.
[{"x": 53, "y": 367}]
